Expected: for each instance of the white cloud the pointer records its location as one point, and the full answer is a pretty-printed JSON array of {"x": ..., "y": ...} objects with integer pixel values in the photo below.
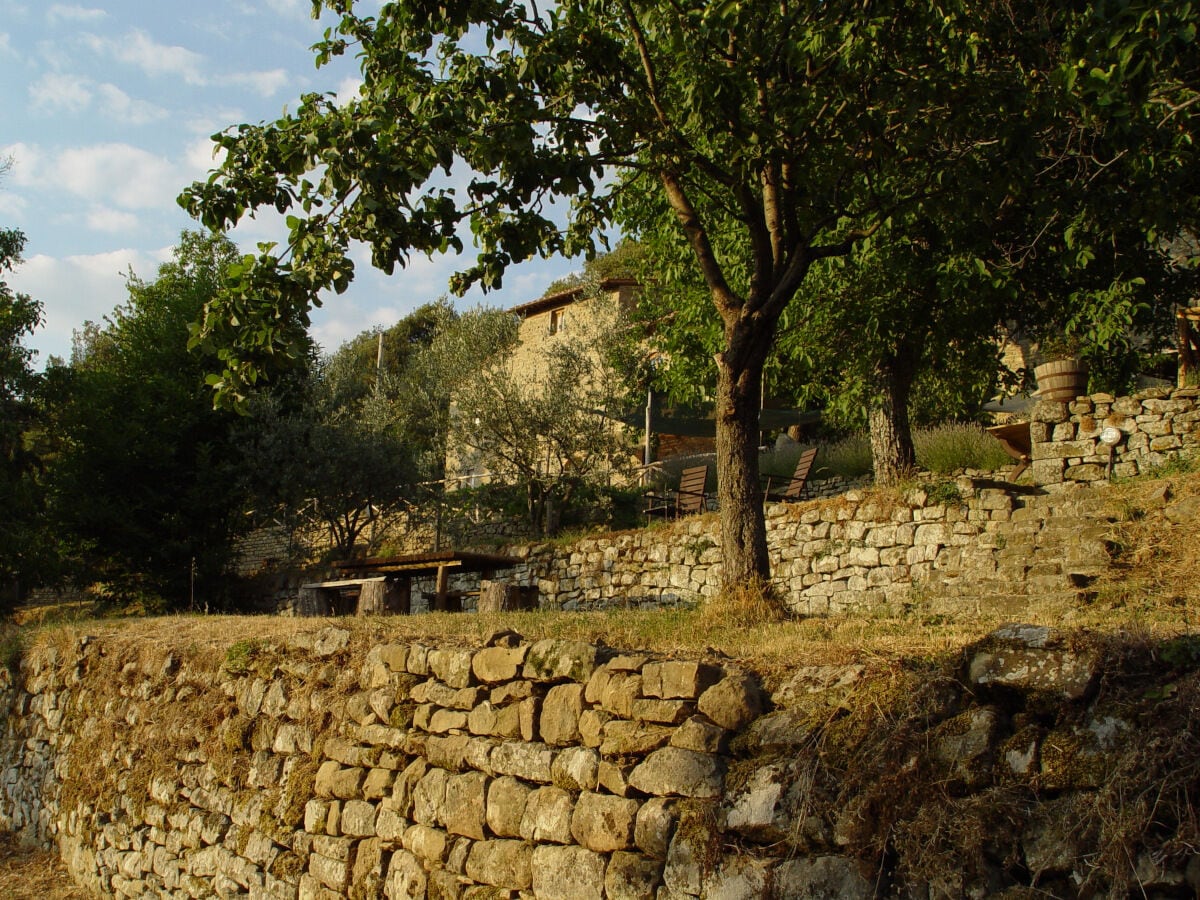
[
  {"x": 26, "y": 163},
  {"x": 121, "y": 174},
  {"x": 6, "y": 47},
  {"x": 118, "y": 105},
  {"x": 75, "y": 289},
  {"x": 138, "y": 49},
  {"x": 111, "y": 221},
  {"x": 58, "y": 91},
  {"x": 203, "y": 156},
  {"x": 62, "y": 12},
  {"x": 347, "y": 90},
  {"x": 12, "y": 206},
  {"x": 265, "y": 84}
]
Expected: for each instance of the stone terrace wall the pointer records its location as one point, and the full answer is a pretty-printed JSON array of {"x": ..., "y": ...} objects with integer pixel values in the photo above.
[
  {"x": 1156, "y": 426},
  {"x": 856, "y": 552},
  {"x": 333, "y": 767}
]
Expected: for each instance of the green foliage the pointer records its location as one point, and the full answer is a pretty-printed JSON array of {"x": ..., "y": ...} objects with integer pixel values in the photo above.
[
  {"x": 240, "y": 656},
  {"x": 554, "y": 430},
  {"x": 944, "y": 493},
  {"x": 22, "y": 542},
  {"x": 949, "y": 448},
  {"x": 142, "y": 481}
]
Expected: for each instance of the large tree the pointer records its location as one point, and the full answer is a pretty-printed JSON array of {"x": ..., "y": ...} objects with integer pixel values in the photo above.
[
  {"x": 807, "y": 125},
  {"x": 21, "y": 538},
  {"x": 142, "y": 474}
]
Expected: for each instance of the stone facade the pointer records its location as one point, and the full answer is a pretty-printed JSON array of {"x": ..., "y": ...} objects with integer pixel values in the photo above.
[
  {"x": 329, "y": 768},
  {"x": 1154, "y": 426}
]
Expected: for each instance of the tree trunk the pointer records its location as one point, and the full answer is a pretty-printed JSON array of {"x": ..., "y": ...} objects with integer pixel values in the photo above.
[
  {"x": 743, "y": 528},
  {"x": 887, "y": 418}
]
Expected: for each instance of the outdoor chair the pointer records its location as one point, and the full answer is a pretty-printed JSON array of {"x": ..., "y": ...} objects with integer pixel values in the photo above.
[
  {"x": 687, "y": 499},
  {"x": 785, "y": 489}
]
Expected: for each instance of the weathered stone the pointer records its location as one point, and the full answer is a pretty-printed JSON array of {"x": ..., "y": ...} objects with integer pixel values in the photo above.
[
  {"x": 429, "y": 844},
  {"x": 333, "y": 873},
  {"x": 738, "y": 878},
  {"x": 825, "y": 876},
  {"x": 631, "y": 876},
  {"x": 830, "y": 684},
  {"x": 620, "y": 692},
  {"x": 560, "y": 714},
  {"x": 390, "y": 825},
  {"x": 614, "y": 777},
  {"x": 603, "y": 823},
  {"x": 334, "y": 781},
  {"x": 447, "y": 751},
  {"x": 591, "y": 726},
  {"x": 680, "y": 679},
  {"x": 666, "y": 712},
  {"x": 506, "y": 801},
  {"x": 567, "y": 873},
  {"x": 733, "y": 702},
  {"x": 700, "y": 735},
  {"x": 446, "y": 720},
  {"x": 1030, "y": 658},
  {"x": 576, "y": 769},
  {"x": 429, "y": 797},
  {"x": 655, "y": 826},
  {"x": 672, "y": 771},
  {"x": 623, "y": 738},
  {"x": 501, "y": 863},
  {"x": 378, "y": 783},
  {"x": 965, "y": 746},
  {"x": 358, "y": 818},
  {"x": 466, "y": 807},
  {"x": 495, "y": 664},
  {"x": 406, "y": 877},
  {"x": 548, "y": 816},
  {"x": 555, "y": 660},
  {"x": 451, "y": 666},
  {"x": 692, "y": 852},
  {"x": 528, "y": 761}
]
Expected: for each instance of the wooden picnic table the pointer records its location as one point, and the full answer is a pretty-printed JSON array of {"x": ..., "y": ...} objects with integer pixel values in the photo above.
[{"x": 386, "y": 581}]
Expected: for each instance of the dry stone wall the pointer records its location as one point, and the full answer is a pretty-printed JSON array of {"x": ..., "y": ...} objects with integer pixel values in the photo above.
[
  {"x": 332, "y": 766},
  {"x": 1154, "y": 426},
  {"x": 863, "y": 550}
]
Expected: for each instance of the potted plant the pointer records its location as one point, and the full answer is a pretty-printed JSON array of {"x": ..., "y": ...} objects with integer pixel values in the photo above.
[{"x": 1061, "y": 375}]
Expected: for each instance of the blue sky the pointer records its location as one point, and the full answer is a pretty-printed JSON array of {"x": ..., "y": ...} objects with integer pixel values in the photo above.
[{"x": 106, "y": 114}]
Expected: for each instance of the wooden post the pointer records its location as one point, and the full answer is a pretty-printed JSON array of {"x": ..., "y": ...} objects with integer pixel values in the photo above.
[
  {"x": 312, "y": 602},
  {"x": 496, "y": 596},
  {"x": 372, "y": 598},
  {"x": 399, "y": 596},
  {"x": 443, "y": 586},
  {"x": 1188, "y": 322}
]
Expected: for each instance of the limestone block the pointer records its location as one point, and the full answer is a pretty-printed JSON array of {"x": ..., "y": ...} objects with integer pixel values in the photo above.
[
  {"x": 367, "y": 873},
  {"x": 446, "y": 720},
  {"x": 556, "y": 660},
  {"x": 693, "y": 848},
  {"x": 592, "y": 723},
  {"x": 378, "y": 783},
  {"x": 447, "y": 751},
  {"x": 496, "y": 664},
  {"x": 429, "y": 844},
  {"x": 576, "y": 769},
  {"x": 358, "y": 818},
  {"x": 622, "y": 738},
  {"x": 514, "y": 690},
  {"x": 548, "y": 816},
  {"x": 1034, "y": 658},
  {"x": 451, "y": 666},
  {"x": 292, "y": 738},
  {"x": 527, "y": 717},
  {"x": 406, "y": 878},
  {"x": 335, "y": 781},
  {"x": 332, "y": 873},
  {"x": 390, "y": 825},
  {"x": 429, "y": 797},
  {"x": 825, "y": 876},
  {"x": 672, "y": 771},
  {"x": 739, "y": 878},
  {"x": 733, "y": 702},
  {"x": 631, "y": 876},
  {"x": 405, "y": 787},
  {"x": 567, "y": 873},
  {"x": 614, "y": 777},
  {"x": 684, "y": 680},
  {"x": 465, "y": 809},
  {"x": 666, "y": 712},
  {"x": 701, "y": 735},
  {"x": 619, "y": 693},
  {"x": 559, "y": 722},
  {"x": 529, "y": 761},
  {"x": 506, "y": 801},
  {"x": 603, "y": 823},
  {"x": 502, "y": 863}
]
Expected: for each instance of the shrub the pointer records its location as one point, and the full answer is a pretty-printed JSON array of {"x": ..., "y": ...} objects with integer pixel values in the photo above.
[{"x": 948, "y": 448}]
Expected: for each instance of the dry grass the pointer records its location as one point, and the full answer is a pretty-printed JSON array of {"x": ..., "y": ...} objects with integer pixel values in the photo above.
[{"x": 31, "y": 874}]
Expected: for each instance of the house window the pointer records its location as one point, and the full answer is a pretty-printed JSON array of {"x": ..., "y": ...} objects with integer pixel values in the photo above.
[{"x": 558, "y": 320}]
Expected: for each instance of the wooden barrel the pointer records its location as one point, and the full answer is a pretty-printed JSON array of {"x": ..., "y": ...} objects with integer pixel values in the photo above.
[{"x": 1062, "y": 379}]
